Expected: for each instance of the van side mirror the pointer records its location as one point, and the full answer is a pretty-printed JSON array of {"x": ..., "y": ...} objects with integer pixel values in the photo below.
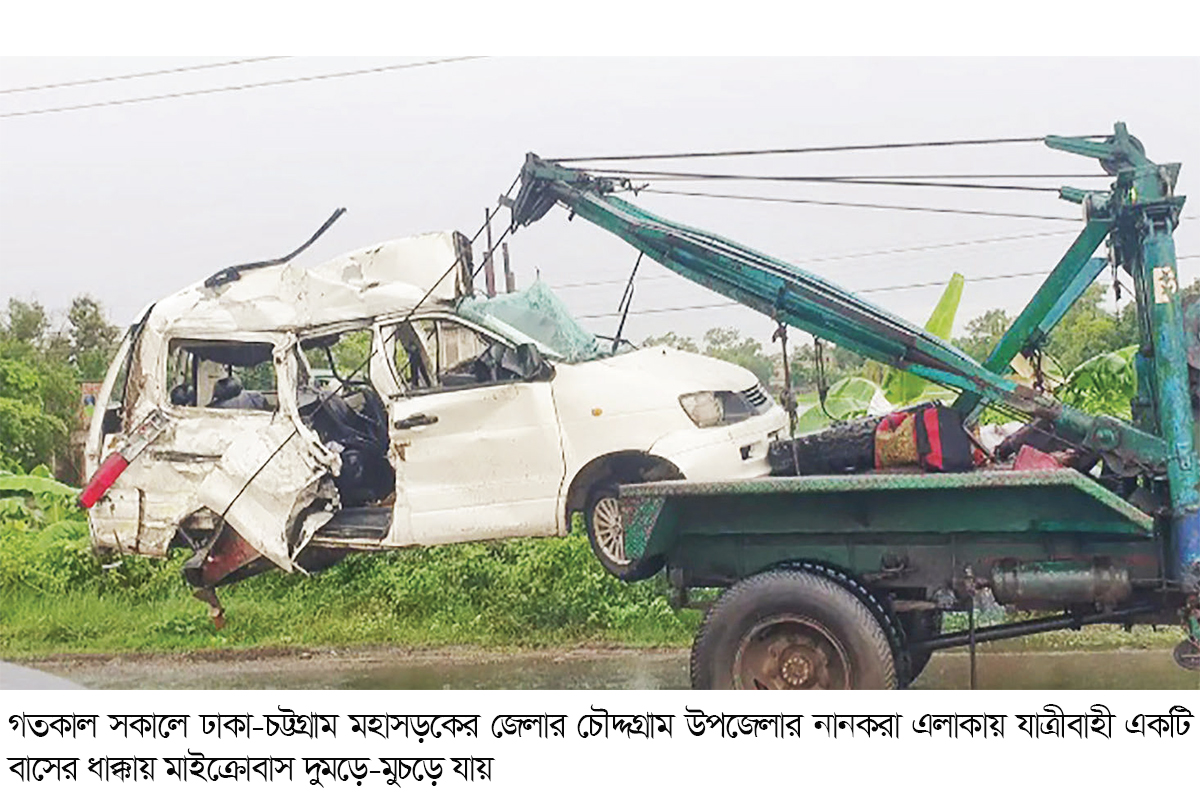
[
  {"x": 112, "y": 419},
  {"x": 529, "y": 364}
]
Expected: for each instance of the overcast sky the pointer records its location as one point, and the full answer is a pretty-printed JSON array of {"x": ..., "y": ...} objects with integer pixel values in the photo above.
[{"x": 131, "y": 202}]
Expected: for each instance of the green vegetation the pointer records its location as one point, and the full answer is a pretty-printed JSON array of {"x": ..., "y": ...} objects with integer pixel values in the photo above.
[
  {"x": 40, "y": 372},
  {"x": 56, "y": 597}
]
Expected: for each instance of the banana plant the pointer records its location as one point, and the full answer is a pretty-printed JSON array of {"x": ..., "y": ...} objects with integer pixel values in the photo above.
[
  {"x": 1104, "y": 384},
  {"x": 853, "y": 397}
]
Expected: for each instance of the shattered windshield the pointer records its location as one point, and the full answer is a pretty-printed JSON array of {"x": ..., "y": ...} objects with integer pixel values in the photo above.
[{"x": 534, "y": 314}]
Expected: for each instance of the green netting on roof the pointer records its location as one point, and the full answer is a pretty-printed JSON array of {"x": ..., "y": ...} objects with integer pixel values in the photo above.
[{"x": 537, "y": 313}]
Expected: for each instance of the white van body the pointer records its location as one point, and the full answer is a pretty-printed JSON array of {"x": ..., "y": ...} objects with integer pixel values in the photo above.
[{"x": 514, "y": 454}]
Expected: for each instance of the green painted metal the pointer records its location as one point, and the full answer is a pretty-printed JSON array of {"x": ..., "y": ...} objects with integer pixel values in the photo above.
[
  {"x": 864, "y": 522},
  {"x": 1028, "y": 330},
  {"x": 1031, "y": 504},
  {"x": 1144, "y": 212},
  {"x": 792, "y": 295}
]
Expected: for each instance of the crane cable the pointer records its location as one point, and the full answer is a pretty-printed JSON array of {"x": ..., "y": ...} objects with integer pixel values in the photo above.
[
  {"x": 915, "y": 180},
  {"x": 861, "y": 205},
  {"x": 817, "y": 149}
]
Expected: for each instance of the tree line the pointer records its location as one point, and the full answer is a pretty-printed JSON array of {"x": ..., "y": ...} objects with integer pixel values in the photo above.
[{"x": 41, "y": 367}]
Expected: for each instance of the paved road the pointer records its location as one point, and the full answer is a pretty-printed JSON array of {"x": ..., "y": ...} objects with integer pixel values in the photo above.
[
  {"x": 14, "y": 677},
  {"x": 635, "y": 669}
]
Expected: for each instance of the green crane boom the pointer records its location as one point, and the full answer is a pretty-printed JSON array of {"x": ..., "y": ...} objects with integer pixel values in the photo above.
[{"x": 1138, "y": 216}]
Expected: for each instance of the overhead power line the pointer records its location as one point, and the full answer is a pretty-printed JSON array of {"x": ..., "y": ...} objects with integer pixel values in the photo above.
[
  {"x": 862, "y": 205},
  {"x": 167, "y": 71},
  {"x": 211, "y": 90},
  {"x": 814, "y": 149}
]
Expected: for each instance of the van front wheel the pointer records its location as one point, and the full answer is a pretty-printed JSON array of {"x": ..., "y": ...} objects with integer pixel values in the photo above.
[{"x": 606, "y": 533}]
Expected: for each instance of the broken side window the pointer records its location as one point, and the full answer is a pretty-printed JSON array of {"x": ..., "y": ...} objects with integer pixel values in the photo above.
[
  {"x": 339, "y": 402},
  {"x": 439, "y": 353},
  {"x": 225, "y": 375},
  {"x": 338, "y": 359},
  {"x": 443, "y": 354}
]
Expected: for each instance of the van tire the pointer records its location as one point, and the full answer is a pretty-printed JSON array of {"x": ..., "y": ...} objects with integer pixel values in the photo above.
[{"x": 606, "y": 534}]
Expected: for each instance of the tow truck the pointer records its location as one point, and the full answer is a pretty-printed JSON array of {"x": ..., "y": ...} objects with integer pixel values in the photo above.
[{"x": 841, "y": 580}]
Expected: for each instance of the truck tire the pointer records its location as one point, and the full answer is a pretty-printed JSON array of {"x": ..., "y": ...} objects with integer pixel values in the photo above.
[
  {"x": 790, "y": 629},
  {"x": 606, "y": 534}
]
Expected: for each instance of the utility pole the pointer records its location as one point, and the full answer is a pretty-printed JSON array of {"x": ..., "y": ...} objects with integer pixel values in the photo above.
[
  {"x": 510, "y": 281},
  {"x": 489, "y": 269}
]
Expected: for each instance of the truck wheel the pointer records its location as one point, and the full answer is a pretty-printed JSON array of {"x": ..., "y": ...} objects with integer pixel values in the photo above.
[
  {"x": 788, "y": 629},
  {"x": 606, "y": 533}
]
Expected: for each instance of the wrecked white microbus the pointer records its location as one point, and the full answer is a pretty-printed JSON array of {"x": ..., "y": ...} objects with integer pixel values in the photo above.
[{"x": 283, "y": 417}]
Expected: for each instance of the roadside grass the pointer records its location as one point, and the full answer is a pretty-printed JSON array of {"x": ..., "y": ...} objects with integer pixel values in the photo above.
[
  {"x": 56, "y": 598},
  {"x": 525, "y": 593}
]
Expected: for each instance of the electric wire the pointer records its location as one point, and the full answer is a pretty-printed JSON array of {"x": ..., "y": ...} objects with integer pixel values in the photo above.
[
  {"x": 148, "y": 74},
  {"x": 815, "y": 149},
  {"x": 906, "y": 286},
  {"x": 861, "y": 205},
  {"x": 238, "y": 87}
]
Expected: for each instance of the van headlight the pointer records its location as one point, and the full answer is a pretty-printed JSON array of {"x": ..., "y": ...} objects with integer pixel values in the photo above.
[
  {"x": 703, "y": 407},
  {"x": 711, "y": 408}
]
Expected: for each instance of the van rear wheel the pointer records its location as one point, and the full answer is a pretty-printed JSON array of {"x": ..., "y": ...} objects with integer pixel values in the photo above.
[
  {"x": 606, "y": 533},
  {"x": 791, "y": 630}
]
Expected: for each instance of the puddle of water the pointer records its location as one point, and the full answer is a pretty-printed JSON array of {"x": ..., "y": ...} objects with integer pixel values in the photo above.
[
  {"x": 1074, "y": 670},
  {"x": 657, "y": 670}
]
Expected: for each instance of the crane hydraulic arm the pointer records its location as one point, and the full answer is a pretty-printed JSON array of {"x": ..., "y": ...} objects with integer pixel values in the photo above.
[{"x": 1138, "y": 216}]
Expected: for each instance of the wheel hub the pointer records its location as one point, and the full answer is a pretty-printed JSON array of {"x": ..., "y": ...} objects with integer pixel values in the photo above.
[
  {"x": 1187, "y": 655},
  {"x": 791, "y": 653},
  {"x": 796, "y": 670},
  {"x": 609, "y": 530}
]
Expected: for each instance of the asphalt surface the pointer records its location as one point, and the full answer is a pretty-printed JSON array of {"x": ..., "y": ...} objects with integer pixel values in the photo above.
[{"x": 15, "y": 677}]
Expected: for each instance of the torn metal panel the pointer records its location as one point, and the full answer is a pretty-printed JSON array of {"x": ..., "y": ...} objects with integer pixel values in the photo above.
[{"x": 260, "y": 482}]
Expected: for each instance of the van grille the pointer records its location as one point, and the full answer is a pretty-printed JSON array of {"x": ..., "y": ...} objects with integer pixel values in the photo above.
[{"x": 757, "y": 397}]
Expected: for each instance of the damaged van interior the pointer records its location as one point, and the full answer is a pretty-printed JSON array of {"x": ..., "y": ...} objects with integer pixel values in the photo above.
[{"x": 338, "y": 401}]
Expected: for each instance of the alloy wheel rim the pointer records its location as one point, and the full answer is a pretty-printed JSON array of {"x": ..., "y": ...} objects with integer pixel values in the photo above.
[{"x": 609, "y": 530}]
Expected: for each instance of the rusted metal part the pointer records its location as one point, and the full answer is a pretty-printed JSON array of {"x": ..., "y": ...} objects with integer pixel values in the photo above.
[
  {"x": 638, "y": 522},
  {"x": 1057, "y": 583},
  {"x": 220, "y": 559},
  {"x": 1187, "y": 653},
  {"x": 1006, "y": 631},
  {"x": 215, "y": 611},
  {"x": 791, "y": 652}
]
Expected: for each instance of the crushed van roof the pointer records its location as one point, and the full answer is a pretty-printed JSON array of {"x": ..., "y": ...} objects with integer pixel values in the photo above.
[{"x": 389, "y": 277}]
